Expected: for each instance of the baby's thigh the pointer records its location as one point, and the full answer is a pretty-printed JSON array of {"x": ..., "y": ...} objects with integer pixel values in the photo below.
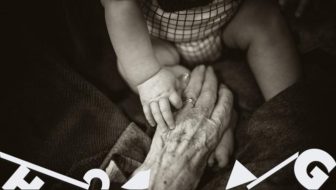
[{"x": 165, "y": 52}]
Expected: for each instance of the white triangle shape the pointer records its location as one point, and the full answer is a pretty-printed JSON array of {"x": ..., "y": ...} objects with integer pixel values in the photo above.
[
  {"x": 138, "y": 181},
  {"x": 239, "y": 175}
]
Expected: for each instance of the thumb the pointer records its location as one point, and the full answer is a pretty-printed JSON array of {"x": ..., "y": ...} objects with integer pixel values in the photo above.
[
  {"x": 182, "y": 75},
  {"x": 182, "y": 82},
  {"x": 176, "y": 100},
  {"x": 178, "y": 70}
]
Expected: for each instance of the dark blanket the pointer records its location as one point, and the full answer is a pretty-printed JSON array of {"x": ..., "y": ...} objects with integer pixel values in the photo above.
[{"x": 65, "y": 106}]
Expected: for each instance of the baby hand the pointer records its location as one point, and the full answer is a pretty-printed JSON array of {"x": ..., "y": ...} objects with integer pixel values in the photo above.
[{"x": 156, "y": 95}]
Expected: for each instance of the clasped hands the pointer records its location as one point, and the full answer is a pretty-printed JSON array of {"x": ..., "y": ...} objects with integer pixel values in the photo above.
[{"x": 178, "y": 157}]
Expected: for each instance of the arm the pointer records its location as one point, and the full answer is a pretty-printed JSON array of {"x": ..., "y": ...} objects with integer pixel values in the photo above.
[
  {"x": 130, "y": 39},
  {"x": 136, "y": 60}
]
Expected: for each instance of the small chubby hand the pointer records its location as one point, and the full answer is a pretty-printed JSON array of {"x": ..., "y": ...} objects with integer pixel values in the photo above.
[{"x": 157, "y": 94}]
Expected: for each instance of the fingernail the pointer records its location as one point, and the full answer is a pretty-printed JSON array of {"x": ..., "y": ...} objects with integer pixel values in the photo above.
[
  {"x": 172, "y": 126},
  {"x": 210, "y": 69},
  {"x": 222, "y": 86}
]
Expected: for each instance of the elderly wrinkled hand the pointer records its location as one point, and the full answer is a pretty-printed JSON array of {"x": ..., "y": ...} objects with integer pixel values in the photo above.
[{"x": 177, "y": 158}]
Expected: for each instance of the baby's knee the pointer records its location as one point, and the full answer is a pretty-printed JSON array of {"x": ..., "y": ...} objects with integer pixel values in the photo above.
[
  {"x": 165, "y": 53},
  {"x": 268, "y": 23},
  {"x": 257, "y": 20}
]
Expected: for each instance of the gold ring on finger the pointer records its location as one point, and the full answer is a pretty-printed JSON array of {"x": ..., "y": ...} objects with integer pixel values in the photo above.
[{"x": 191, "y": 101}]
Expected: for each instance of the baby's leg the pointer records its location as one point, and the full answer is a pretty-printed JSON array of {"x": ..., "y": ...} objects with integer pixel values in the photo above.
[{"x": 260, "y": 29}]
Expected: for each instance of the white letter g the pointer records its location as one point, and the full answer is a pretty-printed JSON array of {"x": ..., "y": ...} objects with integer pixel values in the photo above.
[{"x": 318, "y": 176}]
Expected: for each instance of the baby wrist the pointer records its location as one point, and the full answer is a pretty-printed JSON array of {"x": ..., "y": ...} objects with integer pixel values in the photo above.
[
  {"x": 141, "y": 71},
  {"x": 150, "y": 76}
]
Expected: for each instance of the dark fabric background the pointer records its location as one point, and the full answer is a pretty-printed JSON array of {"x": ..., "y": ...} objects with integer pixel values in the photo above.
[
  {"x": 64, "y": 105},
  {"x": 54, "y": 112}
]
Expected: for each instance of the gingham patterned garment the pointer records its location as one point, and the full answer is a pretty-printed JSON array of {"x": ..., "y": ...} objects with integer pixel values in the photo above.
[{"x": 195, "y": 32}]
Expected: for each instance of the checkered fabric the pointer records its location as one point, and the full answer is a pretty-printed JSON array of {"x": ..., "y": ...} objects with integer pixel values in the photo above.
[{"x": 196, "y": 32}]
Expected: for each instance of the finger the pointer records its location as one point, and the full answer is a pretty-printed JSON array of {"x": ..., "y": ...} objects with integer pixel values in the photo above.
[
  {"x": 178, "y": 70},
  {"x": 211, "y": 159},
  {"x": 224, "y": 149},
  {"x": 182, "y": 82},
  {"x": 148, "y": 115},
  {"x": 208, "y": 95},
  {"x": 154, "y": 106},
  {"x": 176, "y": 100},
  {"x": 221, "y": 114},
  {"x": 222, "y": 158},
  {"x": 194, "y": 86},
  {"x": 182, "y": 74},
  {"x": 166, "y": 112}
]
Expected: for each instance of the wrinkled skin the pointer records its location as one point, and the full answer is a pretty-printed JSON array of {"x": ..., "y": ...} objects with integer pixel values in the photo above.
[{"x": 178, "y": 157}]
